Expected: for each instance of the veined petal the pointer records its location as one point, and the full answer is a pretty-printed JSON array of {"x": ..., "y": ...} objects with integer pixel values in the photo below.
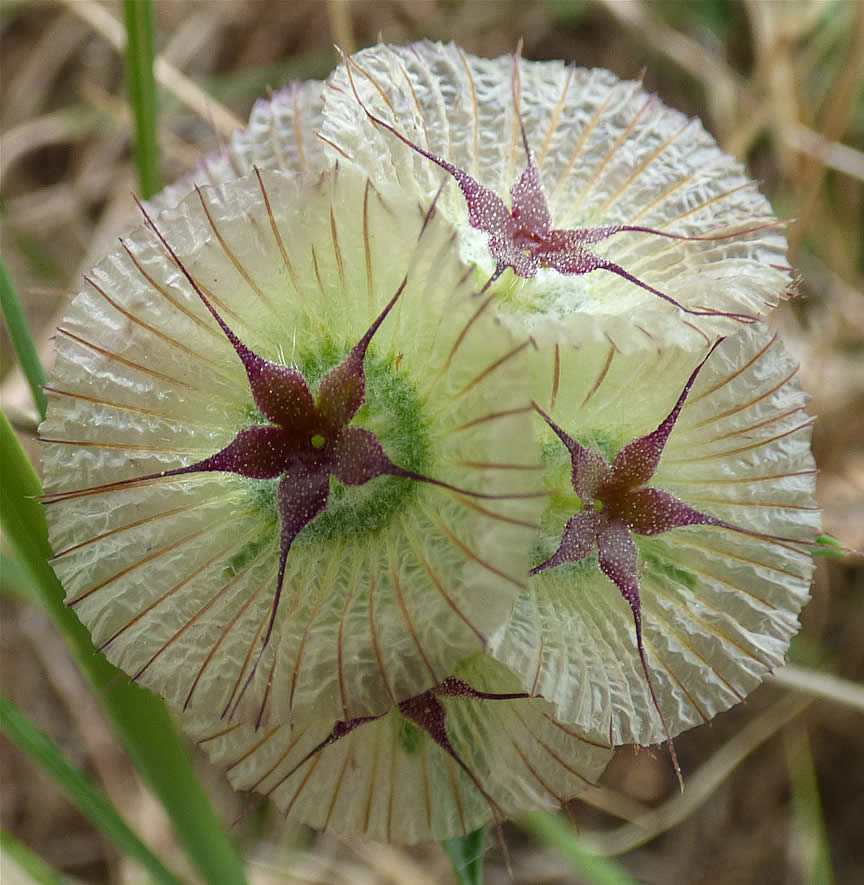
[
  {"x": 389, "y": 780},
  {"x": 608, "y": 154},
  {"x": 396, "y": 581},
  {"x": 718, "y": 606},
  {"x": 280, "y": 135}
]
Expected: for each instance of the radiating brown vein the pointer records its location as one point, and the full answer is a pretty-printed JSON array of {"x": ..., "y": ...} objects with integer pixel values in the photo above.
[
  {"x": 453, "y": 774},
  {"x": 492, "y": 416},
  {"x": 575, "y": 734},
  {"x": 774, "y": 505},
  {"x": 340, "y": 648},
  {"x": 475, "y": 112},
  {"x": 427, "y": 798},
  {"x": 323, "y": 588},
  {"x": 238, "y": 265},
  {"x": 316, "y": 761},
  {"x": 192, "y": 620},
  {"x": 172, "y": 342},
  {"x": 168, "y": 379},
  {"x": 580, "y": 144},
  {"x": 373, "y": 777},
  {"x": 296, "y": 737},
  {"x": 335, "y": 146},
  {"x": 289, "y": 267},
  {"x": 394, "y": 756},
  {"x": 219, "y": 734},
  {"x": 729, "y": 453},
  {"x": 498, "y": 465},
  {"x": 682, "y": 541},
  {"x": 298, "y": 129},
  {"x": 439, "y": 586},
  {"x": 373, "y": 631},
  {"x": 625, "y": 134},
  {"x": 315, "y": 267},
  {"x": 145, "y": 561},
  {"x": 741, "y": 480},
  {"x": 252, "y": 597},
  {"x": 613, "y": 199},
  {"x": 165, "y": 514},
  {"x": 556, "y": 377},
  {"x": 121, "y": 447},
  {"x": 658, "y": 589},
  {"x": 493, "y": 367},
  {"x": 601, "y": 377},
  {"x": 465, "y": 329},
  {"x": 740, "y": 407},
  {"x": 461, "y": 545},
  {"x": 268, "y": 685},
  {"x": 199, "y": 321},
  {"x": 338, "y": 788},
  {"x": 554, "y": 120},
  {"x": 400, "y": 596},
  {"x": 242, "y": 671},
  {"x": 265, "y": 737},
  {"x": 367, "y": 250},
  {"x": 499, "y": 517},
  {"x": 337, "y": 251},
  {"x": 664, "y": 666},
  {"x": 552, "y": 753},
  {"x": 138, "y": 410}
]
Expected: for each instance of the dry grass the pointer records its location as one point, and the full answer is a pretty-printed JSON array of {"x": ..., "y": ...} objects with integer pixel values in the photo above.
[{"x": 779, "y": 83}]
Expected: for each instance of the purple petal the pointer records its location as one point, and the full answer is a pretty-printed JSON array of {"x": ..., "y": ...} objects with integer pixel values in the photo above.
[
  {"x": 654, "y": 511},
  {"x": 356, "y": 457},
  {"x": 343, "y": 389},
  {"x": 579, "y": 539},
  {"x": 279, "y": 392},
  {"x": 589, "y": 470},
  {"x": 256, "y": 452},
  {"x": 636, "y": 463},
  {"x": 302, "y": 495},
  {"x": 619, "y": 561},
  {"x": 452, "y": 687},
  {"x": 530, "y": 209}
]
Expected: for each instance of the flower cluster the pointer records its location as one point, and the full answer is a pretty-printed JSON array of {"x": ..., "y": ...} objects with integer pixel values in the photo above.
[{"x": 426, "y": 442}]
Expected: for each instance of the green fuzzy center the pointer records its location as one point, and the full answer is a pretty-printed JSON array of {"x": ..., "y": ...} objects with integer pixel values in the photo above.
[{"x": 393, "y": 412}]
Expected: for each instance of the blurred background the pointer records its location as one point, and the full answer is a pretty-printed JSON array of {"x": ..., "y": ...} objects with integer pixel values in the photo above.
[{"x": 775, "y": 787}]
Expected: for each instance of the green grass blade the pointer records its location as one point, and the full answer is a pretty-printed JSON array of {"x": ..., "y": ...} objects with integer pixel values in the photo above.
[
  {"x": 558, "y": 835},
  {"x": 141, "y": 86},
  {"x": 80, "y": 790},
  {"x": 17, "y": 859},
  {"x": 809, "y": 818},
  {"x": 140, "y": 719},
  {"x": 22, "y": 340},
  {"x": 466, "y": 856}
]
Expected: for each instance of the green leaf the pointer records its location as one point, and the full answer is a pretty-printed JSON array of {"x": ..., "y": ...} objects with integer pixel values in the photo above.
[
  {"x": 80, "y": 789},
  {"x": 559, "y": 836},
  {"x": 466, "y": 855},
  {"x": 141, "y": 720},
  {"x": 141, "y": 85},
  {"x": 22, "y": 340},
  {"x": 17, "y": 858}
]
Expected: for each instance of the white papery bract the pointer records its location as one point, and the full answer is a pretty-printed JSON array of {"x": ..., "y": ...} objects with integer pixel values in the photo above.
[
  {"x": 388, "y": 779},
  {"x": 608, "y": 154},
  {"x": 718, "y": 606},
  {"x": 397, "y": 581},
  {"x": 280, "y": 135}
]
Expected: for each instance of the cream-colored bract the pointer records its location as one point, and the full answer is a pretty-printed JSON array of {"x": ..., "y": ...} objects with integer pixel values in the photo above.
[
  {"x": 608, "y": 153},
  {"x": 175, "y": 578},
  {"x": 718, "y": 607},
  {"x": 388, "y": 780},
  {"x": 280, "y": 135}
]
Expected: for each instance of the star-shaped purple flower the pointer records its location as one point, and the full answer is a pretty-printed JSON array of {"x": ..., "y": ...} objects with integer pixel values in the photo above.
[{"x": 618, "y": 503}]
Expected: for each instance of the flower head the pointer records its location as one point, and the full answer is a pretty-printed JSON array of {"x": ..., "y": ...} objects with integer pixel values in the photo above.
[
  {"x": 203, "y": 499},
  {"x": 600, "y": 177},
  {"x": 690, "y": 520},
  {"x": 438, "y": 765}
]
